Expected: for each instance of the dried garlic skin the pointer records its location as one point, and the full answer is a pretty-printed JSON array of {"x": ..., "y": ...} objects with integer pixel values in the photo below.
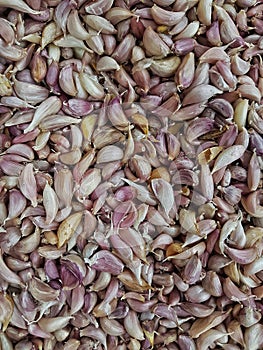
[{"x": 130, "y": 174}]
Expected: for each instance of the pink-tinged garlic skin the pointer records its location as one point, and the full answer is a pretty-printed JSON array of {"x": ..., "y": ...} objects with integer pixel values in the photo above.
[{"x": 131, "y": 202}]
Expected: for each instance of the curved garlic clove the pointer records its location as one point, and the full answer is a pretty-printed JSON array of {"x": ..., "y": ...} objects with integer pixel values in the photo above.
[
  {"x": 100, "y": 24},
  {"x": 201, "y": 326},
  {"x": 94, "y": 333},
  {"x": 107, "y": 63},
  {"x": 67, "y": 228},
  {"x": 249, "y": 91},
  {"x": 164, "y": 17},
  {"x": 204, "y": 12},
  {"x": 99, "y": 7},
  {"x": 132, "y": 326},
  {"x": 107, "y": 262},
  {"x": 165, "y": 67},
  {"x": 75, "y": 27},
  {"x": 111, "y": 327},
  {"x": 30, "y": 243},
  {"x": 190, "y": 31},
  {"x": 118, "y": 14},
  {"x": 19, "y": 5},
  {"x": 49, "y": 34},
  {"x": 91, "y": 85},
  {"x": 153, "y": 44},
  {"x": 52, "y": 324},
  {"x": 200, "y": 93},
  {"x": 251, "y": 204}
]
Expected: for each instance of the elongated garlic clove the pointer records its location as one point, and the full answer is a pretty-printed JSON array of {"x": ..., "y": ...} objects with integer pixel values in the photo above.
[{"x": 153, "y": 44}]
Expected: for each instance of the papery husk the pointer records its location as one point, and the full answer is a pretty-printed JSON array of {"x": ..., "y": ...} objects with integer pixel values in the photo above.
[
  {"x": 232, "y": 271},
  {"x": 202, "y": 325},
  {"x": 173, "y": 249},
  {"x": 254, "y": 235},
  {"x": 130, "y": 282},
  {"x": 6, "y": 87},
  {"x": 104, "y": 309},
  {"x": 187, "y": 219},
  {"x": 208, "y": 338},
  {"x": 7, "y": 308},
  {"x": 187, "y": 253},
  {"x": 236, "y": 333},
  {"x": 67, "y": 228}
]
